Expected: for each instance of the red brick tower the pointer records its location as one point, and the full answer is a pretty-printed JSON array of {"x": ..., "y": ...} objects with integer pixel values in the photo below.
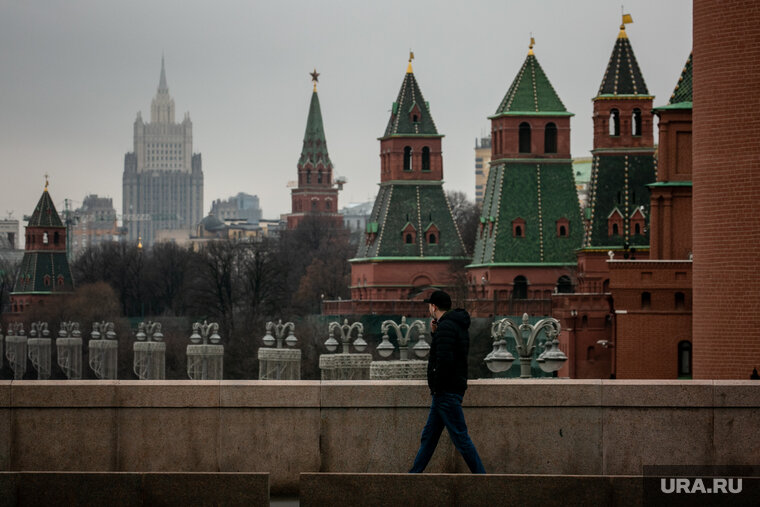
[
  {"x": 316, "y": 194},
  {"x": 726, "y": 189},
  {"x": 653, "y": 297},
  {"x": 411, "y": 237},
  {"x": 44, "y": 270}
]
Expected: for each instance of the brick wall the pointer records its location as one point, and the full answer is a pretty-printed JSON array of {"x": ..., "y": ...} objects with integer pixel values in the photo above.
[{"x": 726, "y": 188}]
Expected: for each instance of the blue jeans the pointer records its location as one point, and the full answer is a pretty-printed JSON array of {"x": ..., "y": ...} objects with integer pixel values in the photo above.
[{"x": 446, "y": 411}]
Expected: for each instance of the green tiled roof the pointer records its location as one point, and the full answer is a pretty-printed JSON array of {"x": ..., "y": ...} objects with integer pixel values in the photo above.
[
  {"x": 45, "y": 214},
  {"x": 619, "y": 181},
  {"x": 34, "y": 268},
  {"x": 419, "y": 204},
  {"x": 623, "y": 75},
  {"x": 401, "y": 122},
  {"x": 314, "y": 144},
  {"x": 682, "y": 91},
  {"x": 531, "y": 92},
  {"x": 540, "y": 194}
]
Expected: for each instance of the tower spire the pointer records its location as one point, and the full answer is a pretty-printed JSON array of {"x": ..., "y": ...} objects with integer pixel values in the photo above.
[
  {"x": 409, "y": 67},
  {"x": 162, "y": 88}
]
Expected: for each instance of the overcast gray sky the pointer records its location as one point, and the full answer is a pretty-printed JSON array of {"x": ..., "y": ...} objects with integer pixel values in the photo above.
[{"x": 74, "y": 74}]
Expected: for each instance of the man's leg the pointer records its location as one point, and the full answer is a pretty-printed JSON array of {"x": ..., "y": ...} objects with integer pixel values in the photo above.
[
  {"x": 453, "y": 417},
  {"x": 429, "y": 440}
]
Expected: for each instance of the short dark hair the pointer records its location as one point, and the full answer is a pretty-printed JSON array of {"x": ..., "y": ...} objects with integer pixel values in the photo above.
[{"x": 440, "y": 299}]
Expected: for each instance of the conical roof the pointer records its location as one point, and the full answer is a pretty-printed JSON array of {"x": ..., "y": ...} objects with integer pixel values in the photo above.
[
  {"x": 531, "y": 92},
  {"x": 623, "y": 75},
  {"x": 314, "y": 144},
  {"x": 45, "y": 214},
  {"x": 682, "y": 91},
  {"x": 410, "y": 106}
]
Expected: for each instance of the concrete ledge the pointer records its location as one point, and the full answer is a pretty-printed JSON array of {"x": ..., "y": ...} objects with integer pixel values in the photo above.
[
  {"x": 133, "y": 489},
  {"x": 465, "y": 490}
]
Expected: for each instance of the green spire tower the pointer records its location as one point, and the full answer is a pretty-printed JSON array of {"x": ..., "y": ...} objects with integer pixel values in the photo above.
[
  {"x": 531, "y": 223},
  {"x": 316, "y": 193},
  {"x": 44, "y": 268},
  {"x": 617, "y": 216},
  {"x": 411, "y": 237}
]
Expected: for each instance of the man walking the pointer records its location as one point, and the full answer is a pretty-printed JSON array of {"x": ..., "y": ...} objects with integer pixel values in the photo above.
[{"x": 447, "y": 379}]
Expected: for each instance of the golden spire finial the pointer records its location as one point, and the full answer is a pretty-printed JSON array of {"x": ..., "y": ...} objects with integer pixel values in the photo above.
[
  {"x": 409, "y": 67},
  {"x": 627, "y": 19},
  {"x": 46, "y": 181},
  {"x": 532, "y": 43},
  {"x": 314, "y": 78}
]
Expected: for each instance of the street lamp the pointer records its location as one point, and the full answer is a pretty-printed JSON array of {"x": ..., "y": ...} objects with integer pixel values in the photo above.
[
  {"x": 278, "y": 362},
  {"x": 403, "y": 333},
  {"x": 345, "y": 331},
  {"x": 345, "y": 366},
  {"x": 279, "y": 331},
  {"x": 40, "y": 346},
  {"x": 69, "y": 345},
  {"x": 104, "y": 350},
  {"x": 525, "y": 335},
  {"x": 15, "y": 349},
  {"x": 205, "y": 356},
  {"x": 149, "y": 352}
]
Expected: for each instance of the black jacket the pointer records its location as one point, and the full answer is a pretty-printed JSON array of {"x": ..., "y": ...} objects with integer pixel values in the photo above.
[{"x": 447, "y": 366}]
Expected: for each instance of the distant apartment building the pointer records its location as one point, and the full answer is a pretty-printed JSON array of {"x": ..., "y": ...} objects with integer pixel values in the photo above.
[
  {"x": 356, "y": 214},
  {"x": 163, "y": 178},
  {"x": 9, "y": 234},
  {"x": 94, "y": 223},
  {"x": 239, "y": 207},
  {"x": 582, "y": 175},
  {"x": 482, "y": 164}
]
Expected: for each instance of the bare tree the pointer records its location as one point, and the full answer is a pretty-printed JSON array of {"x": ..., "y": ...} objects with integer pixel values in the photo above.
[{"x": 466, "y": 215}]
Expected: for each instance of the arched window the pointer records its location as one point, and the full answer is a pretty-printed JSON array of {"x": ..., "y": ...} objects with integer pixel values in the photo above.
[
  {"x": 680, "y": 301},
  {"x": 425, "y": 158},
  {"x": 520, "y": 288},
  {"x": 606, "y": 286},
  {"x": 584, "y": 322},
  {"x": 550, "y": 138},
  {"x": 308, "y": 175},
  {"x": 432, "y": 239},
  {"x": 319, "y": 176},
  {"x": 615, "y": 230},
  {"x": 407, "y": 158},
  {"x": 684, "y": 359},
  {"x": 562, "y": 231},
  {"x": 327, "y": 204},
  {"x": 524, "y": 138},
  {"x": 646, "y": 300},
  {"x": 564, "y": 285},
  {"x": 614, "y": 122},
  {"x": 45, "y": 238},
  {"x": 56, "y": 238},
  {"x": 408, "y": 240},
  {"x": 518, "y": 231},
  {"x": 637, "y": 229},
  {"x": 636, "y": 123},
  {"x": 590, "y": 353},
  {"x": 415, "y": 119},
  {"x": 313, "y": 205}
]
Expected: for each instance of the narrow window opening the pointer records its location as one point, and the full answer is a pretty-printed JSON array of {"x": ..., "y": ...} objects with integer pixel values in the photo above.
[
  {"x": 425, "y": 158},
  {"x": 524, "y": 134},
  {"x": 407, "y": 158},
  {"x": 646, "y": 300},
  {"x": 614, "y": 122},
  {"x": 680, "y": 301},
  {"x": 409, "y": 240},
  {"x": 550, "y": 138},
  {"x": 636, "y": 122}
]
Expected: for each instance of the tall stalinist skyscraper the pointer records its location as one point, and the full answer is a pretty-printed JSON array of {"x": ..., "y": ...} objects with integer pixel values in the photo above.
[{"x": 163, "y": 179}]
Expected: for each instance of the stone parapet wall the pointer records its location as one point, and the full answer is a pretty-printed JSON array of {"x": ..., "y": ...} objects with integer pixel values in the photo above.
[{"x": 565, "y": 427}]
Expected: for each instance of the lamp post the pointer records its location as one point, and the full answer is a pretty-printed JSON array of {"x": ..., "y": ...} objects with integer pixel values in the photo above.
[
  {"x": 403, "y": 333},
  {"x": 344, "y": 365},
  {"x": 40, "y": 352},
  {"x": 15, "y": 349},
  {"x": 345, "y": 331},
  {"x": 525, "y": 336},
  {"x": 279, "y": 331},
  {"x": 150, "y": 352},
  {"x": 276, "y": 362},
  {"x": 104, "y": 350},
  {"x": 205, "y": 356},
  {"x": 69, "y": 345}
]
